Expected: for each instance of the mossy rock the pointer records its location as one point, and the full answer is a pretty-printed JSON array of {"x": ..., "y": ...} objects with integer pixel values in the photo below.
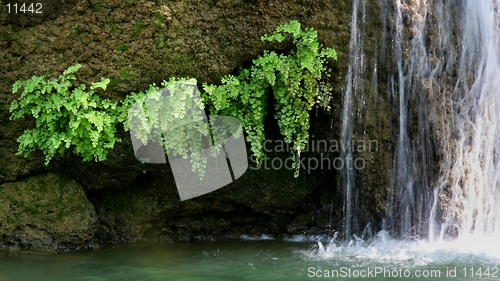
[{"x": 47, "y": 212}]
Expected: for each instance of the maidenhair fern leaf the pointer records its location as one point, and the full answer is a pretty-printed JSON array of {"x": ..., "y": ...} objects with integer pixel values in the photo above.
[{"x": 293, "y": 79}]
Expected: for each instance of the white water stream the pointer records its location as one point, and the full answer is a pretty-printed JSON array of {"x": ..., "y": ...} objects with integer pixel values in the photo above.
[
  {"x": 445, "y": 196},
  {"x": 470, "y": 176}
]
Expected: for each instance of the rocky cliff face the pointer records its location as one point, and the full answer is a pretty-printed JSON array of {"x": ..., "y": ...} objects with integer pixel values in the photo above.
[{"x": 136, "y": 43}]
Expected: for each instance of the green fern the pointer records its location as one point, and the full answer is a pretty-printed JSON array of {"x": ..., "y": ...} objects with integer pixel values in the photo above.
[
  {"x": 66, "y": 117},
  {"x": 175, "y": 121},
  {"x": 75, "y": 118},
  {"x": 292, "y": 78}
]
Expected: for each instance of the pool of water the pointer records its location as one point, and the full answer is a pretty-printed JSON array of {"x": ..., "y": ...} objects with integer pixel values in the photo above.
[{"x": 298, "y": 258}]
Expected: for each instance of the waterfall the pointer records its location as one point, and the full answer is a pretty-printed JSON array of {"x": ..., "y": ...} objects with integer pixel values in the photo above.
[
  {"x": 469, "y": 182},
  {"x": 409, "y": 199},
  {"x": 353, "y": 87},
  {"x": 448, "y": 74},
  {"x": 442, "y": 62},
  {"x": 403, "y": 177}
]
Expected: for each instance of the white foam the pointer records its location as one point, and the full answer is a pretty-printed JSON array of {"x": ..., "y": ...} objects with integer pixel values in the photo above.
[{"x": 385, "y": 250}]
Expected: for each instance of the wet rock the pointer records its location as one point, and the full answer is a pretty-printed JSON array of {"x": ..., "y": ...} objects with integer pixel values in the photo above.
[
  {"x": 314, "y": 222},
  {"x": 48, "y": 212},
  {"x": 150, "y": 209}
]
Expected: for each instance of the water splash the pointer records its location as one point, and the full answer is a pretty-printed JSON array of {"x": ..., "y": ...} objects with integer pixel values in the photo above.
[{"x": 385, "y": 250}]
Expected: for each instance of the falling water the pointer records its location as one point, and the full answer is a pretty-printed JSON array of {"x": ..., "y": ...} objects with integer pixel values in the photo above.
[
  {"x": 469, "y": 182},
  {"x": 403, "y": 180},
  {"x": 353, "y": 86},
  {"x": 409, "y": 197},
  {"x": 444, "y": 81}
]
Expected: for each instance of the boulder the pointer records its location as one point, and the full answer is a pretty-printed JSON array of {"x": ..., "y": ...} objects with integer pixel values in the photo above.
[{"x": 48, "y": 212}]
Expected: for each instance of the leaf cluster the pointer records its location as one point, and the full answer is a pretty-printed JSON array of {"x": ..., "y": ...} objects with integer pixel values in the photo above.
[
  {"x": 75, "y": 118},
  {"x": 66, "y": 117},
  {"x": 292, "y": 78},
  {"x": 173, "y": 117}
]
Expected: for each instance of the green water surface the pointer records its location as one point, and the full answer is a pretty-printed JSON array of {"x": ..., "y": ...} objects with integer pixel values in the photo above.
[{"x": 248, "y": 260}]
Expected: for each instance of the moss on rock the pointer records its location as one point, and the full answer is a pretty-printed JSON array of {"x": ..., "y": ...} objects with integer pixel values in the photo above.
[{"x": 46, "y": 212}]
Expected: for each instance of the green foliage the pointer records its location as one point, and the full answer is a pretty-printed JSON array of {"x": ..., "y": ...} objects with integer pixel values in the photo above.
[
  {"x": 245, "y": 100},
  {"x": 292, "y": 78},
  {"x": 174, "y": 120},
  {"x": 73, "y": 117},
  {"x": 66, "y": 117},
  {"x": 70, "y": 117}
]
